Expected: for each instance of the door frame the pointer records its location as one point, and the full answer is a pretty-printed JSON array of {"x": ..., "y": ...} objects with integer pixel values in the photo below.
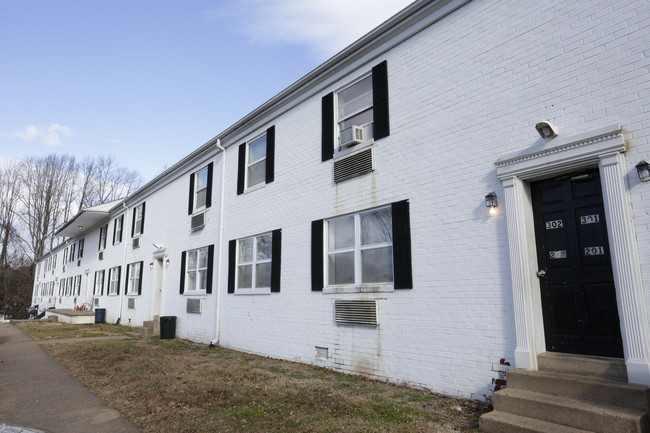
[
  {"x": 158, "y": 282},
  {"x": 603, "y": 148}
]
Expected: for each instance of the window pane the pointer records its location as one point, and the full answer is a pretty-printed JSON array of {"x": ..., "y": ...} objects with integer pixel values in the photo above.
[
  {"x": 202, "y": 179},
  {"x": 200, "y": 198},
  {"x": 138, "y": 227},
  {"x": 341, "y": 268},
  {"x": 203, "y": 282},
  {"x": 191, "y": 260},
  {"x": 264, "y": 247},
  {"x": 359, "y": 119},
  {"x": 257, "y": 173},
  {"x": 355, "y": 97},
  {"x": 340, "y": 233},
  {"x": 377, "y": 265},
  {"x": 203, "y": 258},
  {"x": 263, "y": 275},
  {"x": 245, "y": 277},
  {"x": 257, "y": 149},
  {"x": 376, "y": 227},
  {"x": 191, "y": 280},
  {"x": 246, "y": 250}
]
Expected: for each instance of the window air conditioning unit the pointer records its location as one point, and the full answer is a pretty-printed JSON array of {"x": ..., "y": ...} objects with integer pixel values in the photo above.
[
  {"x": 136, "y": 243},
  {"x": 198, "y": 221},
  {"x": 101, "y": 255},
  {"x": 351, "y": 136}
]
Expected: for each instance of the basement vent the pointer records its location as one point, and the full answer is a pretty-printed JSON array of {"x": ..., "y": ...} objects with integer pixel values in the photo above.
[
  {"x": 194, "y": 306},
  {"x": 101, "y": 255},
  {"x": 96, "y": 302},
  {"x": 136, "y": 243},
  {"x": 131, "y": 305},
  {"x": 355, "y": 312},
  {"x": 198, "y": 221},
  {"x": 355, "y": 165}
]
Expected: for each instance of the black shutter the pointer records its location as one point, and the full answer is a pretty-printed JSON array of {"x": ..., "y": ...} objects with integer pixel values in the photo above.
[
  {"x": 182, "y": 282},
  {"x": 403, "y": 278},
  {"x": 133, "y": 222},
  {"x": 327, "y": 128},
  {"x": 208, "y": 288},
  {"x": 119, "y": 278},
  {"x": 317, "y": 255},
  {"x": 270, "y": 154},
  {"x": 142, "y": 223},
  {"x": 101, "y": 290},
  {"x": 190, "y": 201},
  {"x": 208, "y": 197},
  {"x": 381, "y": 125},
  {"x": 276, "y": 260},
  {"x": 232, "y": 265},
  {"x": 241, "y": 169},
  {"x": 127, "y": 279},
  {"x": 140, "y": 279},
  {"x": 101, "y": 230},
  {"x": 114, "y": 229},
  {"x": 95, "y": 283}
]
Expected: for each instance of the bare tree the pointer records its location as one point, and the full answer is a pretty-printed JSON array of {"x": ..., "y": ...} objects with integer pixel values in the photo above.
[
  {"x": 9, "y": 189},
  {"x": 104, "y": 181}
]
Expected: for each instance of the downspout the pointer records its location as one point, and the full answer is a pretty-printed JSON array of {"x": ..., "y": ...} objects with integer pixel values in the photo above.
[
  {"x": 119, "y": 319},
  {"x": 217, "y": 329}
]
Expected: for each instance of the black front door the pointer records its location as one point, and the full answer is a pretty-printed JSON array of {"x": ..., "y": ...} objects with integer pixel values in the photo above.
[{"x": 575, "y": 272}]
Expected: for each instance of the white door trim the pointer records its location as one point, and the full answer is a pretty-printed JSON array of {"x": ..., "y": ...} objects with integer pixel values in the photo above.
[{"x": 603, "y": 148}]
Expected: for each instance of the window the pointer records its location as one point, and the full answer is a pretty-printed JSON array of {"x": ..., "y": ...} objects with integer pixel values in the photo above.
[
  {"x": 200, "y": 189},
  {"x": 256, "y": 161},
  {"x": 77, "y": 286},
  {"x": 65, "y": 258},
  {"x": 138, "y": 220},
  {"x": 80, "y": 253},
  {"x": 369, "y": 249},
  {"x": 134, "y": 275},
  {"x": 72, "y": 250},
  {"x": 363, "y": 103},
  {"x": 196, "y": 270},
  {"x": 54, "y": 262},
  {"x": 254, "y": 264},
  {"x": 102, "y": 237},
  {"x": 68, "y": 287},
  {"x": 114, "y": 280},
  {"x": 61, "y": 287},
  {"x": 98, "y": 289},
  {"x": 118, "y": 223}
]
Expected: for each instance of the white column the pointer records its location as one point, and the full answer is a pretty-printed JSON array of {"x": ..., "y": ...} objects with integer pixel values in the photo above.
[{"x": 625, "y": 266}]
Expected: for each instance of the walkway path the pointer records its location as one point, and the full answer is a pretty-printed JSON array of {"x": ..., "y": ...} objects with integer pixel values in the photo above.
[{"x": 39, "y": 393}]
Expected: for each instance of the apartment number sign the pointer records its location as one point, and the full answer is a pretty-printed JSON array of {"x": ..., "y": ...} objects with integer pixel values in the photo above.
[
  {"x": 590, "y": 219},
  {"x": 559, "y": 254},
  {"x": 594, "y": 251},
  {"x": 555, "y": 224}
]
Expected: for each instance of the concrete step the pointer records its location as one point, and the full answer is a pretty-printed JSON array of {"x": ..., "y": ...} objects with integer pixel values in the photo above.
[
  {"x": 593, "y": 366},
  {"x": 504, "y": 422},
  {"x": 140, "y": 331},
  {"x": 580, "y": 387},
  {"x": 596, "y": 417}
]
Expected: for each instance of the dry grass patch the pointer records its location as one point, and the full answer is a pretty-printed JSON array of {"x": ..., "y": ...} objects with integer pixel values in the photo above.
[
  {"x": 174, "y": 385},
  {"x": 46, "y": 330}
]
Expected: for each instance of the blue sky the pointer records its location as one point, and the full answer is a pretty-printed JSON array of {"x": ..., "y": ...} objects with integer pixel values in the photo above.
[{"x": 151, "y": 80}]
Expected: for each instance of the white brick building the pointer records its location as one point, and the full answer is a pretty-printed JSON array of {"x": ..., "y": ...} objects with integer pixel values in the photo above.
[{"x": 446, "y": 94}]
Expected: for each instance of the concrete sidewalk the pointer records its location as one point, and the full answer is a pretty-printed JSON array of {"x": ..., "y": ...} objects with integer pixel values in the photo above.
[{"x": 37, "y": 392}]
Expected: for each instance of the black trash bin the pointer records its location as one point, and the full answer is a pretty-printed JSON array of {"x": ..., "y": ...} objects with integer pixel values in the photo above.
[
  {"x": 100, "y": 315},
  {"x": 167, "y": 327}
]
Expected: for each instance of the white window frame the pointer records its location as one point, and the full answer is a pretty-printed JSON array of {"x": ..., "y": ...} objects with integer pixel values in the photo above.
[
  {"x": 340, "y": 119},
  {"x": 253, "y": 290},
  {"x": 133, "y": 279},
  {"x": 113, "y": 280},
  {"x": 193, "y": 289},
  {"x": 250, "y": 163},
  {"x": 356, "y": 249},
  {"x": 99, "y": 283},
  {"x": 80, "y": 248},
  {"x": 197, "y": 176},
  {"x": 118, "y": 228},
  {"x": 103, "y": 233},
  {"x": 68, "y": 287},
  {"x": 76, "y": 289},
  {"x": 138, "y": 220},
  {"x": 72, "y": 251}
]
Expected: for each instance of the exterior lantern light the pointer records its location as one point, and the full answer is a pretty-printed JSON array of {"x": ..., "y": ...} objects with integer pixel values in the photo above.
[
  {"x": 168, "y": 262},
  {"x": 151, "y": 265},
  {"x": 643, "y": 168},
  {"x": 491, "y": 202}
]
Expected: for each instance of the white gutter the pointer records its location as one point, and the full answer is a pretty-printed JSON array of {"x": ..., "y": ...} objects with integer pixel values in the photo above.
[
  {"x": 119, "y": 319},
  {"x": 217, "y": 330}
]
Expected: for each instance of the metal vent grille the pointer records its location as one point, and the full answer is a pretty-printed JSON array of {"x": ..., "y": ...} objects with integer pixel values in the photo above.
[
  {"x": 131, "y": 305},
  {"x": 101, "y": 255},
  {"x": 194, "y": 306},
  {"x": 198, "y": 221},
  {"x": 355, "y": 312},
  {"x": 136, "y": 243},
  {"x": 96, "y": 302},
  {"x": 355, "y": 165}
]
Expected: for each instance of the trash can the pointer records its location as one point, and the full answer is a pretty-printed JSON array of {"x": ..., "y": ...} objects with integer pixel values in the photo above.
[
  {"x": 100, "y": 315},
  {"x": 167, "y": 327}
]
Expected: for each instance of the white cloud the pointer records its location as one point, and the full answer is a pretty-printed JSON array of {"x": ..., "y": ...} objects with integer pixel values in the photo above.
[
  {"x": 52, "y": 134},
  {"x": 326, "y": 26}
]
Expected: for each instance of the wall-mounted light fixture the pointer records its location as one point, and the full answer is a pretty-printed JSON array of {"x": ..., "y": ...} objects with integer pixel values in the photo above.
[
  {"x": 546, "y": 130},
  {"x": 151, "y": 265},
  {"x": 643, "y": 169},
  {"x": 168, "y": 262},
  {"x": 491, "y": 202}
]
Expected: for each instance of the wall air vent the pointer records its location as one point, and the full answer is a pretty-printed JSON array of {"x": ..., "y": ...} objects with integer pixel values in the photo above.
[
  {"x": 351, "y": 136},
  {"x": 96, "y": 302},
  {"x": 194, "y": 306},
  {"x": 131, "y": 305},
  {"x": 198, "y": 221},
  {"x": 355, "y": 312},
  {"x": 354, "y": 165},
  {"x": 136, "y": 243}
]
